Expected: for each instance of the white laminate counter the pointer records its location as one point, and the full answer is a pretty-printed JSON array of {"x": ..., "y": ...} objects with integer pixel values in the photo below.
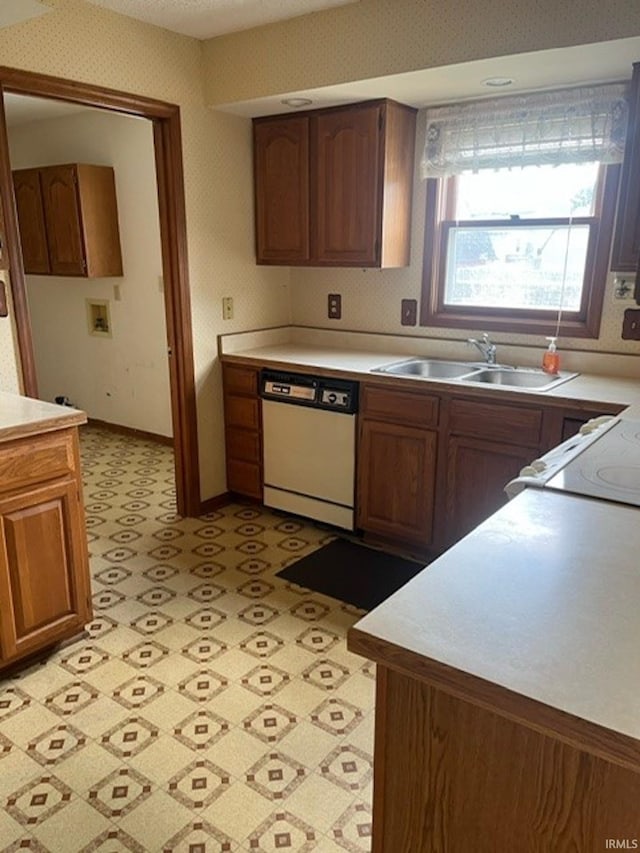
[
  {"x": 542, "y": 601},
  {"x": 23, "y": 416},
  {"x": 358, "y": 364}
]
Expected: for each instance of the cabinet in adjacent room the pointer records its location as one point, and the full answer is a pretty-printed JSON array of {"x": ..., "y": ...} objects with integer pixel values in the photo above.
[
  {"x": 397, "y": 464},
  {"x": 68, "y": 220},
  {"x": 334, "y": 186},
  {"x": 45, "y": 594}
]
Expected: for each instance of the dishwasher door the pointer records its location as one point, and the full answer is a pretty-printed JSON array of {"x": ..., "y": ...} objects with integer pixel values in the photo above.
[{"x": 309, "y": 461}]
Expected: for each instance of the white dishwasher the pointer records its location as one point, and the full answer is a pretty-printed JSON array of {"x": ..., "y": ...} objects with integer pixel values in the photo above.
[{"x": 309, "y": 445}]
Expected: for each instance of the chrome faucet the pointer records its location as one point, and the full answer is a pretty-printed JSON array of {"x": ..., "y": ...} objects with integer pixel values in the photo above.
[{"x": 486, "y": 347}]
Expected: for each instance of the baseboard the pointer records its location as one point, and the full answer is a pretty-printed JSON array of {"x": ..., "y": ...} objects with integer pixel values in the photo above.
[
  {"x": 216, "y": 502},
  {"x": 136, "y": 433}
]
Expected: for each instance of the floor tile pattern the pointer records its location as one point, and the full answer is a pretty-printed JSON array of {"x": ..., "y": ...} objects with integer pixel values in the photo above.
[{"x": 211, "y": 705}]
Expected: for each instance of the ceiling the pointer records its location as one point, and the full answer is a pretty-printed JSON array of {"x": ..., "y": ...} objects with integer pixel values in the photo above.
[
  {"x": 19, "y": 11},
  {"x": 20, "y": 109},
  {"x": 204, "y": 19}
]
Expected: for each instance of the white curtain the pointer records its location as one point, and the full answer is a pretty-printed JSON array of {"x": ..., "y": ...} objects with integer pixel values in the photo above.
[{"x": 586, "y": 124}]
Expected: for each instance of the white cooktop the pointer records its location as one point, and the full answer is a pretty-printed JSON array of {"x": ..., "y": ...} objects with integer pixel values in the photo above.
[{"x": 608, "y": 469}]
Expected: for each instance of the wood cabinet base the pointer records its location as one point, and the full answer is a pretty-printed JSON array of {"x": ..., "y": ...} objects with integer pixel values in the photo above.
[
  {"x": 452, "y": 777},
  {"x": 45, "y": 592}
]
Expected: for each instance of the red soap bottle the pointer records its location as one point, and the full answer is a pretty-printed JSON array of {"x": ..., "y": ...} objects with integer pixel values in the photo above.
[{"x": 551, "y": 358}]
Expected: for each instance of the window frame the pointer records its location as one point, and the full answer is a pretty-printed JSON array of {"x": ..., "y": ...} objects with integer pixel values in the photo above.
[{"x": 585, "y": 323}]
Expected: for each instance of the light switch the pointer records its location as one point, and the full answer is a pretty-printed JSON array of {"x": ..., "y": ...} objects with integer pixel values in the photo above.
[{"x": 227, "y": 307}]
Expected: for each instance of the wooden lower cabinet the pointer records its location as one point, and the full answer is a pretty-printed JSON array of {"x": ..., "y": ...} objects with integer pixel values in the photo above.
[
  {"x": 476, "y": 474},
  {"x": 397, "y": 481},
  {"x": 397, "y": 454},
  {"x": 45, "y": 591},
  {"x": 243, "y": 430}
]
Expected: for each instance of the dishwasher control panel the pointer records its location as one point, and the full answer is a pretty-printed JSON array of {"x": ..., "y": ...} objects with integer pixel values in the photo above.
[{"x": 306, "y": 390}]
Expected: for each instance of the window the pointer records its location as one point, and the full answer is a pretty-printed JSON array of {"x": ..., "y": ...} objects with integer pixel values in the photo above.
[{"x": 520, "y": 216}]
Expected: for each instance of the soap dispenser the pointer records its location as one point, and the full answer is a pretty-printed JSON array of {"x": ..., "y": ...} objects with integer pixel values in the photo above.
[{"x": 551, "y": 358}]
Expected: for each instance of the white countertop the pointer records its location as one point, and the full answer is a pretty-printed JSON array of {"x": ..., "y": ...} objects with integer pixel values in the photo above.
[
  {"x": 359, "y": 363},
  {"x": 541, "y": 599},
  {"x": 22, "y": 416}
]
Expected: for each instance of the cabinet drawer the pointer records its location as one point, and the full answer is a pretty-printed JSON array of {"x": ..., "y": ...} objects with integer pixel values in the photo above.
[
  {"x": 240, "y": 380},
  {"x": 243, "y": 444},
  {"x": 245, "y": 478},
  {"x": 511, "y": 424},
  {"x": 403, "y": 407},
  {"x": 37, "y": 460},
  {"x": 242, "y": 412}
]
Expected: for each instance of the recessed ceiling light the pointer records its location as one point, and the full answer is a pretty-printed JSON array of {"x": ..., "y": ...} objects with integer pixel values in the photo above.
[
  {"x": 296, "y": 102},
  {"x": 497, "y": 82}
]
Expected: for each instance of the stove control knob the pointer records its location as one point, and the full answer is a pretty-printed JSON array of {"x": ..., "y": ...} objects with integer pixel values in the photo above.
[
  {"x": 539, "y": 466},
  {"x": 332, "y": 397}
]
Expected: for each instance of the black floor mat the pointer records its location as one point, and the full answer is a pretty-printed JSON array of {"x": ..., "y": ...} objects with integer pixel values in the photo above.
[{"x": 352, "y": 573}]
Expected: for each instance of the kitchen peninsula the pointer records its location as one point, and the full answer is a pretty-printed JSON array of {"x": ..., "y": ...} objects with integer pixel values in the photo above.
[
  {"x": 45, "y": 593},
  {"x": 508, "y": 686}
]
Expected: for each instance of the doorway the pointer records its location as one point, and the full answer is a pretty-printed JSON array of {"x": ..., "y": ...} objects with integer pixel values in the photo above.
[{"x": 165, "y": 120}]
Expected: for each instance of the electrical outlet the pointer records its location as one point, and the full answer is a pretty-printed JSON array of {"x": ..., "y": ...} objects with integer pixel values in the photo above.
[
  {"x": 408, "y": 312},
  {"x": 227, "y": 307},
  {"x": 334, "y": 307},
  {"x": 631, "y": 325},
  {"x": 622, "y": 288}
]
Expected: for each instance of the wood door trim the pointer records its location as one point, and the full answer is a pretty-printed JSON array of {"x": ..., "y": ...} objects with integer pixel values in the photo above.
[{"x": 170, "y": 181}]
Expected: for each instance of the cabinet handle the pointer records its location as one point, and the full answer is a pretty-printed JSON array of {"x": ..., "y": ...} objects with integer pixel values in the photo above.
[{"x": 636, "y": 292}]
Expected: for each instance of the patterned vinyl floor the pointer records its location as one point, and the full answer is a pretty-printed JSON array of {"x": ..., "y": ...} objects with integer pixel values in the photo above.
[{"x": 213, "y": 706}]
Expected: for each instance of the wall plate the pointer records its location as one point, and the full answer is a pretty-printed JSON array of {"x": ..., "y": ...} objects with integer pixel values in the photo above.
[
  {"x": 334, "y": 306},
  {"x": 99, "y": 317}
]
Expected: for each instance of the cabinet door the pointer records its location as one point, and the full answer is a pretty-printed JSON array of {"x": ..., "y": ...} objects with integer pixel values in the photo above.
[
  {"x": 346, "y": 158},
  {"x": 396, "y": 481},
  {"x": 281, "y": 151},
  {"x": 477, "y": 472},
  {"x": 626, "y": 243},
  {"x": 31, "y": 221},
  {"x": 44, "y": 587},
  {"x": 62, "y": 215}
]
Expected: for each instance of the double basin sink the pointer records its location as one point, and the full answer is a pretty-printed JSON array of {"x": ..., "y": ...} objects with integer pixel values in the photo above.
[{"x": 485, "y": 374}]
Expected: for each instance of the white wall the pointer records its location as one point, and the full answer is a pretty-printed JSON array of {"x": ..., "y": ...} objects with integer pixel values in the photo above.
[
  {"x": 80, "y": 41},
  {"x": 123, "y": 379}
]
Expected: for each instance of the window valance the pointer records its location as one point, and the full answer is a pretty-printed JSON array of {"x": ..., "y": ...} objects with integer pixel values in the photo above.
[{"x": 586, "y": 124}]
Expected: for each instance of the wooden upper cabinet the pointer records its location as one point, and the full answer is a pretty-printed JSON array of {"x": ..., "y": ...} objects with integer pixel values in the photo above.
[
  {"x": 626, "y": 242},
  {"x": 334, "y": 187},
  {"x": 33, "y": 233},
  {"x": 62, "y": 214},
  {"x": 75, "y": 223},
  {"x": 346, "y": 177},
  {"x": 282, "y": 189}
]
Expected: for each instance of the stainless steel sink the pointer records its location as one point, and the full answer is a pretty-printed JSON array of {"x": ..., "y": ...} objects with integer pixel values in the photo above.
[
  {"x": 460, "y": 371},
  {"x": 519, "y": 377},
  {"x": 428, "y": 368}
]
